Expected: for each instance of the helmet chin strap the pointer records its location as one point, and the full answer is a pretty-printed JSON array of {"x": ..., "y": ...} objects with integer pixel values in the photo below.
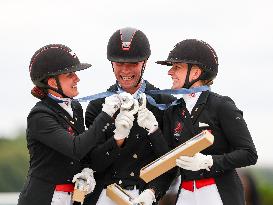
[
  {"x": 142, "y": 71},
  {"x": 112, "y": 67},
  {"x": 187, "y": 83},
  {"x": 58, "y": 89},
  {"x": 44, "y": 86}
]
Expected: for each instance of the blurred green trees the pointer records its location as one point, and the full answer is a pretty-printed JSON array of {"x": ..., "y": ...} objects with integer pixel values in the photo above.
[
  {"x": 264, "y": 179},
  {"x": 13, "y": 164}
]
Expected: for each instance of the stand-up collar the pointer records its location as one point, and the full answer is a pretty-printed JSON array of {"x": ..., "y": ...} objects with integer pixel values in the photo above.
[{"x": 65, "y": 103}]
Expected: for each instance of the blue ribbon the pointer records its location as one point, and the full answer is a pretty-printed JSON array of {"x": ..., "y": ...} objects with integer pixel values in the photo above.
[
  {"x": 179, "y": 91},
  {"x": 150, "y": 99},
  {"x": 96, "y": 96}
]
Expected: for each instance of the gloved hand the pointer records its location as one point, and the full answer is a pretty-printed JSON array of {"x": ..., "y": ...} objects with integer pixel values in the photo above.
[
  {"x": 146, "y": 118},
  {"x": 128, "y": 103},
  {"x": 147, "y": 197},
  {"x": 111, "y": 104},
  {"x": 124, "y": 123},
  {"x": 124, "y": 120},
  {"x": 197, "y": 162},
  {"x": 87, "y": 175}
]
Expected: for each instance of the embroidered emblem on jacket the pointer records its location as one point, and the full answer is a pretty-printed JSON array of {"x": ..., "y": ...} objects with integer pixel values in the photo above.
[
  {"x": 178, "y": 129},
  {"x": 183, "y": 113},
  {"x": 70, "y": 130}
]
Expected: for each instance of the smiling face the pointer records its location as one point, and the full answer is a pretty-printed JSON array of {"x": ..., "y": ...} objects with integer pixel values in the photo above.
[
  {"x": 178, "y": 73},
  {"x": 68, "y": 83},
  {"x": 128, "y": 74}
]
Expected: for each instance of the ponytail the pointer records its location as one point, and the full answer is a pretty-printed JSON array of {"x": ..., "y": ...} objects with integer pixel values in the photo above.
[{"x": 38, "y": 92}]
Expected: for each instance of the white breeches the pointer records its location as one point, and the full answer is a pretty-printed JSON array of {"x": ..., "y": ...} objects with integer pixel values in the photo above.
[
  {"x": 207, "y": 195},
  {"x": 105, "y": 200},
  {"x": 61, "y": 198}
]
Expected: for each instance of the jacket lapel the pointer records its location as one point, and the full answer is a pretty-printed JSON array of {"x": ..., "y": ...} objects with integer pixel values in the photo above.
[
  {"x": 62, "y": 113},
  {"x": 199, "y": 106}
]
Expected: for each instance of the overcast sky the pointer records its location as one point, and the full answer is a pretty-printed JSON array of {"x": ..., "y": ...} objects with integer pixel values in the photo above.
[{"x": 241, "y": 32}]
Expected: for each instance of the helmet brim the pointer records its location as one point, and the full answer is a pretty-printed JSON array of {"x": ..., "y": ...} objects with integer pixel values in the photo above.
[
  {"x": 171, "y": 62},
  {"x": 78, "y": 67},
  {"x": 168, "y": 63},
  {"x": 127, "y": 60}
]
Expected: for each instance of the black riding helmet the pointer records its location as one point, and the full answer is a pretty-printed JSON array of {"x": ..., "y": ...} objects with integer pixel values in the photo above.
[
  {"x": 52, "y": 60},
  {"x": 128, "y": 45},
  {"x": 194, "y": 52}
]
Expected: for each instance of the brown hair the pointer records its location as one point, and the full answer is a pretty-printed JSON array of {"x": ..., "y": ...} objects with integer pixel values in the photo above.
[
  {"x": 207, "y": 82},
  {"x": 39, "y": 92}
]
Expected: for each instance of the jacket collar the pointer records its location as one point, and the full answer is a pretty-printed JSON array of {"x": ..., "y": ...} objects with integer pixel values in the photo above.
[
  {"x": 203, "y": 98},
  {"x": 53, "y": 105},
  {"x": 199, "y": 106}
]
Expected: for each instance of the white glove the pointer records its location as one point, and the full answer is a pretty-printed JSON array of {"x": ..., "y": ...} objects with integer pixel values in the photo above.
[
  {"x": 197, "y": 162},
  {"x": 124, "y": 120},
  {"x": 142, "y": 101},
  {"x": 147, "y": 197},
  {"x": 87, "y": 175},
  {"x": 128, "y": 103},
  {"x": 111, "y": 104},
  {"x": 146, "y": 118},
  {"x": 124, "y": 123}
]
